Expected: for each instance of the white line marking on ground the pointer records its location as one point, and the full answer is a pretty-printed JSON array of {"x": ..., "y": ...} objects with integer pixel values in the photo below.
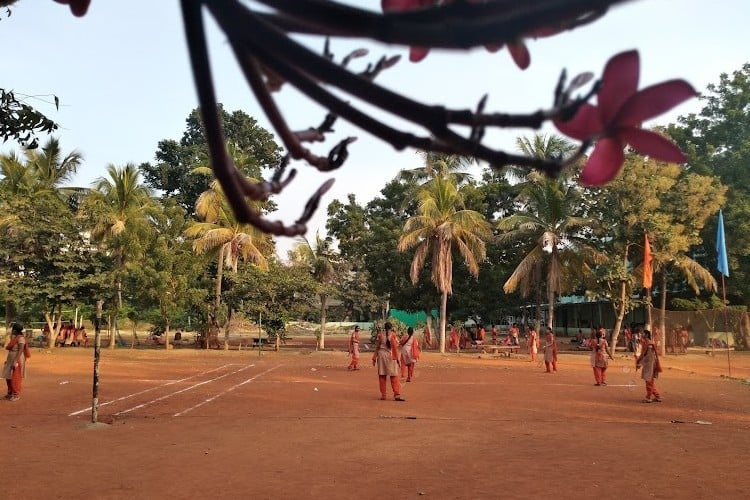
[
  {"x": 225, "y": 392},
  {"x": 166, "y": 396},
  {"x": 149, "y": 390}
]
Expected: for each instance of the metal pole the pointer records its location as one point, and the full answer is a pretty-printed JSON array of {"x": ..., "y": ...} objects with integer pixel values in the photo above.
[
  {"x": 97, "y": 357},
  {"x": 726, "y": 327}
]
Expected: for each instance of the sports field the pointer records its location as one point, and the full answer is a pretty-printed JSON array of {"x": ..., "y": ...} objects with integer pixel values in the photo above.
[{"x": 191, "y": 423}]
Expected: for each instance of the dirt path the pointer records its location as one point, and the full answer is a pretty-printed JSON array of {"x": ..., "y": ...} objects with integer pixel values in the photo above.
[{"x": 296, "y": 424}]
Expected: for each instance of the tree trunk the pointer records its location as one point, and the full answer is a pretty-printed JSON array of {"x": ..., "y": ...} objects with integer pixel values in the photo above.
[
  {"x": 662, "y": 314},
  {"x": 538, "y": 319},
  {"x": 323, "y": 300},
  {"x": 621, "y": 306},
  {"x": 227, "y": 326},
  {"x": 219, "y": 275},
  {"x": 551, "y": 307},
  {"x": 112, "y": 330},
  {"x": 51, "y": 325},
  {"x": 167, "y": 345},
  {"x": 443, "y": 319},
  {"x": 165, "y": 318}
]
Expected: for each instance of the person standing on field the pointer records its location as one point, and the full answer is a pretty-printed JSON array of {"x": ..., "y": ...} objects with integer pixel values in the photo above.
[
  {"x": 550, "y": 351},
  {"x": 600, "y": 353},
  {"x": 386, "y": 359},
  {"x": 409, "y": 354},
  {"x": 354, "y": 348},
  {"x": 14, "y": 369},
  {"x": 533, "y": 341},
  {"x": 648, "y": 361}
]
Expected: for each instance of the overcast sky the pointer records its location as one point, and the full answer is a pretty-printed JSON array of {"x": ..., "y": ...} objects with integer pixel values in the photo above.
[{"x": 124, "y": 81}]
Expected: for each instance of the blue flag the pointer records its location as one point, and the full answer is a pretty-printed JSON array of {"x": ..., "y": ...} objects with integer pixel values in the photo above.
[{"x": 721, "y": 248}]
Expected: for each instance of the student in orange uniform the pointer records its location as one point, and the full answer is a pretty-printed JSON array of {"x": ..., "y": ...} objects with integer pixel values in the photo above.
[
  {"x": 14, "y": 369},
  {"x": 480, "y": 335},
  {"x": 409, "y": 354},
  {"x": 649, "y": 361},
  {"x": 385, "y": 358},
  {"x": 550, "y": 351},
  {"x": 600, "y": 352},
  {"x": 533, "y": 342},
  {"x": 453, "y": 340},
  {"x": 354, "y": 348},
  {"x": 494, "y": 334}
]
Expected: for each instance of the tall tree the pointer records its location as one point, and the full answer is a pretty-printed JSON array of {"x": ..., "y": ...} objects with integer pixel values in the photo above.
[
  {"x": 174, "y": 171},
  {"x": 118, "y": 209},
  {"x": 717, "y": 142},
  {"x": 219, "y": 231},
  {"x": 319, "y": 259},
  {"x": 168, "y": 273},
  {"x": 442, "y": 225},
  {"x": 552, "y": 221}
]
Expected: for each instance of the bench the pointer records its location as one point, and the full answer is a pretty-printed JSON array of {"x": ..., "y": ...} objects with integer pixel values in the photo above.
[{"x": 504, "y": 349}]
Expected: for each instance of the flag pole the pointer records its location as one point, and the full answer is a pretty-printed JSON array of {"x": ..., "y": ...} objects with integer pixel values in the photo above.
[
  {"x": 726, "y": 326},
  {"x": 723, "y": 268}
]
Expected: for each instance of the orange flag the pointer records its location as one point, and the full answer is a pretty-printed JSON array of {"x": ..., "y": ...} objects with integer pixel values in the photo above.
[{"x": 648, "y": 271}]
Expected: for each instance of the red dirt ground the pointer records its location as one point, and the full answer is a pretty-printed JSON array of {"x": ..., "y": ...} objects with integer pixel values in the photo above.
[{"x": 295, "y": 424}]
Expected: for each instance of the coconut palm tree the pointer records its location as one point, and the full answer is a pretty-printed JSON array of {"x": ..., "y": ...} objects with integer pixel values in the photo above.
[
  {"x": 234, "y": 241},
  {"x": 52, "y": 169},
  {"x": 118, "y": 207},
  {"x": 319, "y": 260},
  {"x": 436, "y": 164},
  {"x": 442, "y": 225},
  {"x": 548, "y": 221}
]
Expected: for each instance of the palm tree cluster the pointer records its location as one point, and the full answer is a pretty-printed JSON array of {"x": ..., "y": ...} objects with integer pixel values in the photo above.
[{"x": 519, "y": 235}]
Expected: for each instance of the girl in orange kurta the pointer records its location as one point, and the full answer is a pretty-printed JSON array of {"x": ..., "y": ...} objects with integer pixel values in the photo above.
[
  {"x": 15, "y": 364},
  {"x": 354, "y": 349},
  {"x": 550, "y": 351},
  {"x": 533, "y": 343},
  {"x": 409, "y": 354},
  {"x": 649, "y": 362},
  {"x": 600, "y": 352},
  {"x": 453, "y": 342},
  {"x": 386, "y": 359}
]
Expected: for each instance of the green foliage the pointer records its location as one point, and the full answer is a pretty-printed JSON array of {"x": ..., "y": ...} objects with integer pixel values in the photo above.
[
  {"x": 281, "y": 291},
  {"x": 255, "y": 150},
  {"x": 21, "y": 122},
  {"x": 717, "y": 142},
  {"x": 378, "y": 325}
]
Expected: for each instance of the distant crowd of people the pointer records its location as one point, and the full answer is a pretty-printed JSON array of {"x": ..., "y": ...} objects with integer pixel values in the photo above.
[{"x": 69, "y": 335}]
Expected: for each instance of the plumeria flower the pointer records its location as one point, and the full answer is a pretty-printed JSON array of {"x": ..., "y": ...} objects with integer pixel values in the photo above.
[
  {"x": 616, "y": 119},
  {"x": 518, "y": 50},
  {"x": 77, "y": 7}
]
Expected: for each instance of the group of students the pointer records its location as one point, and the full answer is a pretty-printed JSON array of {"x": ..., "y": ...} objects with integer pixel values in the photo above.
[
  {"x": 69, "y": 335},
  {"x": 646, "y": 360},
  {"x": 394, "y": 358}
]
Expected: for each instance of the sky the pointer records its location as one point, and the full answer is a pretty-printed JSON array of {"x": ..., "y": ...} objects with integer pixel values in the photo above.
[{"x": 124, "y": 81}]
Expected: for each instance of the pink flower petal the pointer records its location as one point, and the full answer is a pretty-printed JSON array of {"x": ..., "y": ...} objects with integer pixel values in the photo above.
[
  {"x": 651, "y": 144},
  {"x": 520, "y": 54},
  {"x": 619, "y": 82},
  {"x": 653, "y": 101},
  {"x": 583, "y": 125},
  {"x": 604, "y": 163},
  {"x": 416, "y": 54},
  {"x": 399, "y": 5}
]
